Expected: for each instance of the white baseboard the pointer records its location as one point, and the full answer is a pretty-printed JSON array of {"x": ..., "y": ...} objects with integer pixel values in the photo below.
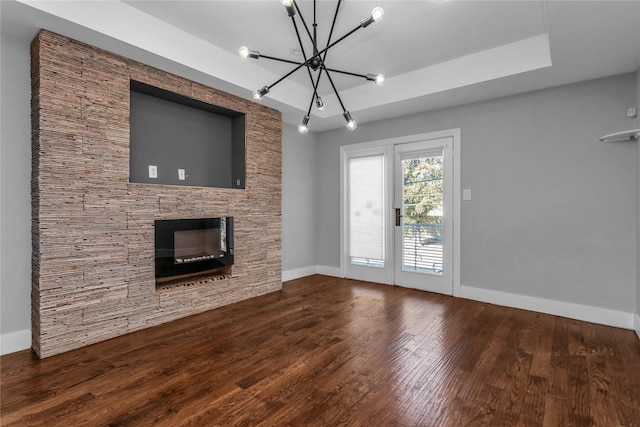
[
  {"x": 329, "y": 271},
  {"x": 309, "y": 271},
  {"x": 15, "y": 341},
  {"x": 298, "y": 273},
  {"x": 603, "y": 316}
]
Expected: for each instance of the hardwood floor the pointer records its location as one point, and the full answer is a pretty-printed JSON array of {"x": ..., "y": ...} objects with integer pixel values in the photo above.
[{"x": 326, "y": 352}]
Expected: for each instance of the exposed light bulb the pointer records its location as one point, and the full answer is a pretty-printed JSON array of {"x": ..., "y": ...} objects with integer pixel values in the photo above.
[
  {"x": 319, "y": 103},
  {"x": 376, "y": 78},
  {"x": 351, "y": 124},
  {"x": 258, "y": 94},
  {"x": 288, "y": 4},
  {"x": 377, "y": 14},
  {"x": 245, "y": 53},
  {"x": 303, "y": 127}
]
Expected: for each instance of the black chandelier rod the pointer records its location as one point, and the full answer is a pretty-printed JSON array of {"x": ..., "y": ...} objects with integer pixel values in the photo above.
[
  {"x": 349, "y": 73},
  {"x": 304, "y": 55},
  {"x": 281, "y": 60},
  {"x": 333, "y": 24},
  {"x": 313, "y": 97},
  {"x": 324, "y": 56},
  {"x": 333, "y": 70},
  {"x": 288, "y": 74},
  {"x": 306, "y": 63},
  {"x": 315, "y": 29},
  {"x": 312, "y": 38},
  {"x": 334, "y": 88}
]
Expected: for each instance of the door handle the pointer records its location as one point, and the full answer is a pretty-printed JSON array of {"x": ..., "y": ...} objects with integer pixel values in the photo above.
[{"x": 398, "y": 216}]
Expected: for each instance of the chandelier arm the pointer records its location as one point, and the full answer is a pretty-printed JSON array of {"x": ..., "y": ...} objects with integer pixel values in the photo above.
[
  {"x": 326, "y": 48},
  {"x": 315, "y": 87},
  {"x": 305, "y": 120},
  {"x": 364, "y": 76},
  {"x": 338, "y": 41},
  {"x": 313, "y": 97},
  {"x": 273, "y": 58},
  {"x": 334, "y": 89},
  {"x": 304, "y": 55},
  {"x": 286, "y": 75},
  {"x": 333, "y": 24},
  {"x": 304, "y": 23}
]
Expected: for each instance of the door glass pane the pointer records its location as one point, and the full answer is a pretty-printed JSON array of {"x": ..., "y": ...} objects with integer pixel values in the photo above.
[
  {"x": 366, "y": 210},
  {"x": 422, "y": 209}
]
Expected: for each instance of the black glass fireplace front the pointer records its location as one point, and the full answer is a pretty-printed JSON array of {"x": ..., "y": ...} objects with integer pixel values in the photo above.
[{"x": 193, "y": 246}]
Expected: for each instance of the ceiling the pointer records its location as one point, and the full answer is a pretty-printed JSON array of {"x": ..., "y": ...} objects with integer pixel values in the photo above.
[{"x": 434, "y": 54}]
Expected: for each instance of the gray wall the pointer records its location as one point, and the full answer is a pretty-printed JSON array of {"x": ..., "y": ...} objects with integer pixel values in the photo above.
[
  {"x": 638, "y": 225},
  {"x": 15, "y": 186},
  {"x": 553, "y": 213},
  {"x": 298, "y": 199}
]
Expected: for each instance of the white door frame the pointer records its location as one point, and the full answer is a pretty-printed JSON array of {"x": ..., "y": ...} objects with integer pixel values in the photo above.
[{"x": 457, "y": 192}]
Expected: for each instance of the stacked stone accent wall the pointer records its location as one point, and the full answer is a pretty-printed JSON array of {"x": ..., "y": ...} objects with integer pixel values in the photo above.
[{"x": 93, "y": 236}]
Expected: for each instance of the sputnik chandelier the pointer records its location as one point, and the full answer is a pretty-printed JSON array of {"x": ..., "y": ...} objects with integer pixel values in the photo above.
[{"x": 314, "y": 61}]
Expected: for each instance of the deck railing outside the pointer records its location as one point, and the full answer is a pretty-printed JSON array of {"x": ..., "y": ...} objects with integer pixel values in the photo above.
[{"x": 422, "y": 248}]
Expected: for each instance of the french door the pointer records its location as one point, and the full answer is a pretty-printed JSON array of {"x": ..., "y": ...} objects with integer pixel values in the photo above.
[
  {"x": 369, "y": 237},
  {"x": 398, "y": 214},
  {"x": 423, "y": 206}
]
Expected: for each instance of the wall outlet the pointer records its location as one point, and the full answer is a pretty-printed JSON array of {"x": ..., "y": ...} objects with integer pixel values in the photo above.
[
  {"x": 181, "y": 175},
  {"x": 153, "y": 171},
  {"x": 632, "y": 112}
]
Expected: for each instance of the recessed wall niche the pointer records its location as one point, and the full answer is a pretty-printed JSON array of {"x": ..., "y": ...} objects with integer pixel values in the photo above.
[{"x": 177, "y": 140}]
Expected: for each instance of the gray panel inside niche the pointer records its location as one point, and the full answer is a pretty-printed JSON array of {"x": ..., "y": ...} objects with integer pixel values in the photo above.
[{"x": 174, "y": 132}]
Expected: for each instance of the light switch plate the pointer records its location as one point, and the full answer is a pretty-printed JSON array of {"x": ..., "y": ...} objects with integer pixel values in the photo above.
[
  {"x": 466, "y": 194},
  {"x": 153, "y": 171},
  {"x": 181, "y": 175}
]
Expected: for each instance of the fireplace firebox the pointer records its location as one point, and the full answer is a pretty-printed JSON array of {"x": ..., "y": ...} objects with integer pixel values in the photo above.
[{"x": 187, "y": 247}]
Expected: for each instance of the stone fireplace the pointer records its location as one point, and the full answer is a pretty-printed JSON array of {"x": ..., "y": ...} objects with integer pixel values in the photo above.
[{"x": 94, "y": 272}]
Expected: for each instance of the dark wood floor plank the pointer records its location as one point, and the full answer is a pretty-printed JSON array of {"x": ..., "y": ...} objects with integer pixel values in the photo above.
[
  {"x": 328, "y": 351},
  {"x": 578, "y": 374},
  {"x": 624, "y": 386},
  {"x": 556, "y": 411},
  {"x": 603, "y": 362}
]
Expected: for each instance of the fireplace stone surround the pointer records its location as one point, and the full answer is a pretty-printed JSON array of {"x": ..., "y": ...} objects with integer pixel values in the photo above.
[{"x": 93, "y": 231}]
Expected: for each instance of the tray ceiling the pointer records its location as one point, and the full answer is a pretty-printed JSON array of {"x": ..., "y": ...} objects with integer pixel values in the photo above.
[{"x": 434, "y": 54}]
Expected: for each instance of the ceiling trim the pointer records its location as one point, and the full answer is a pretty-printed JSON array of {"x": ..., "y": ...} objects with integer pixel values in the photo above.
[{"x": 513, "y": 58}]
